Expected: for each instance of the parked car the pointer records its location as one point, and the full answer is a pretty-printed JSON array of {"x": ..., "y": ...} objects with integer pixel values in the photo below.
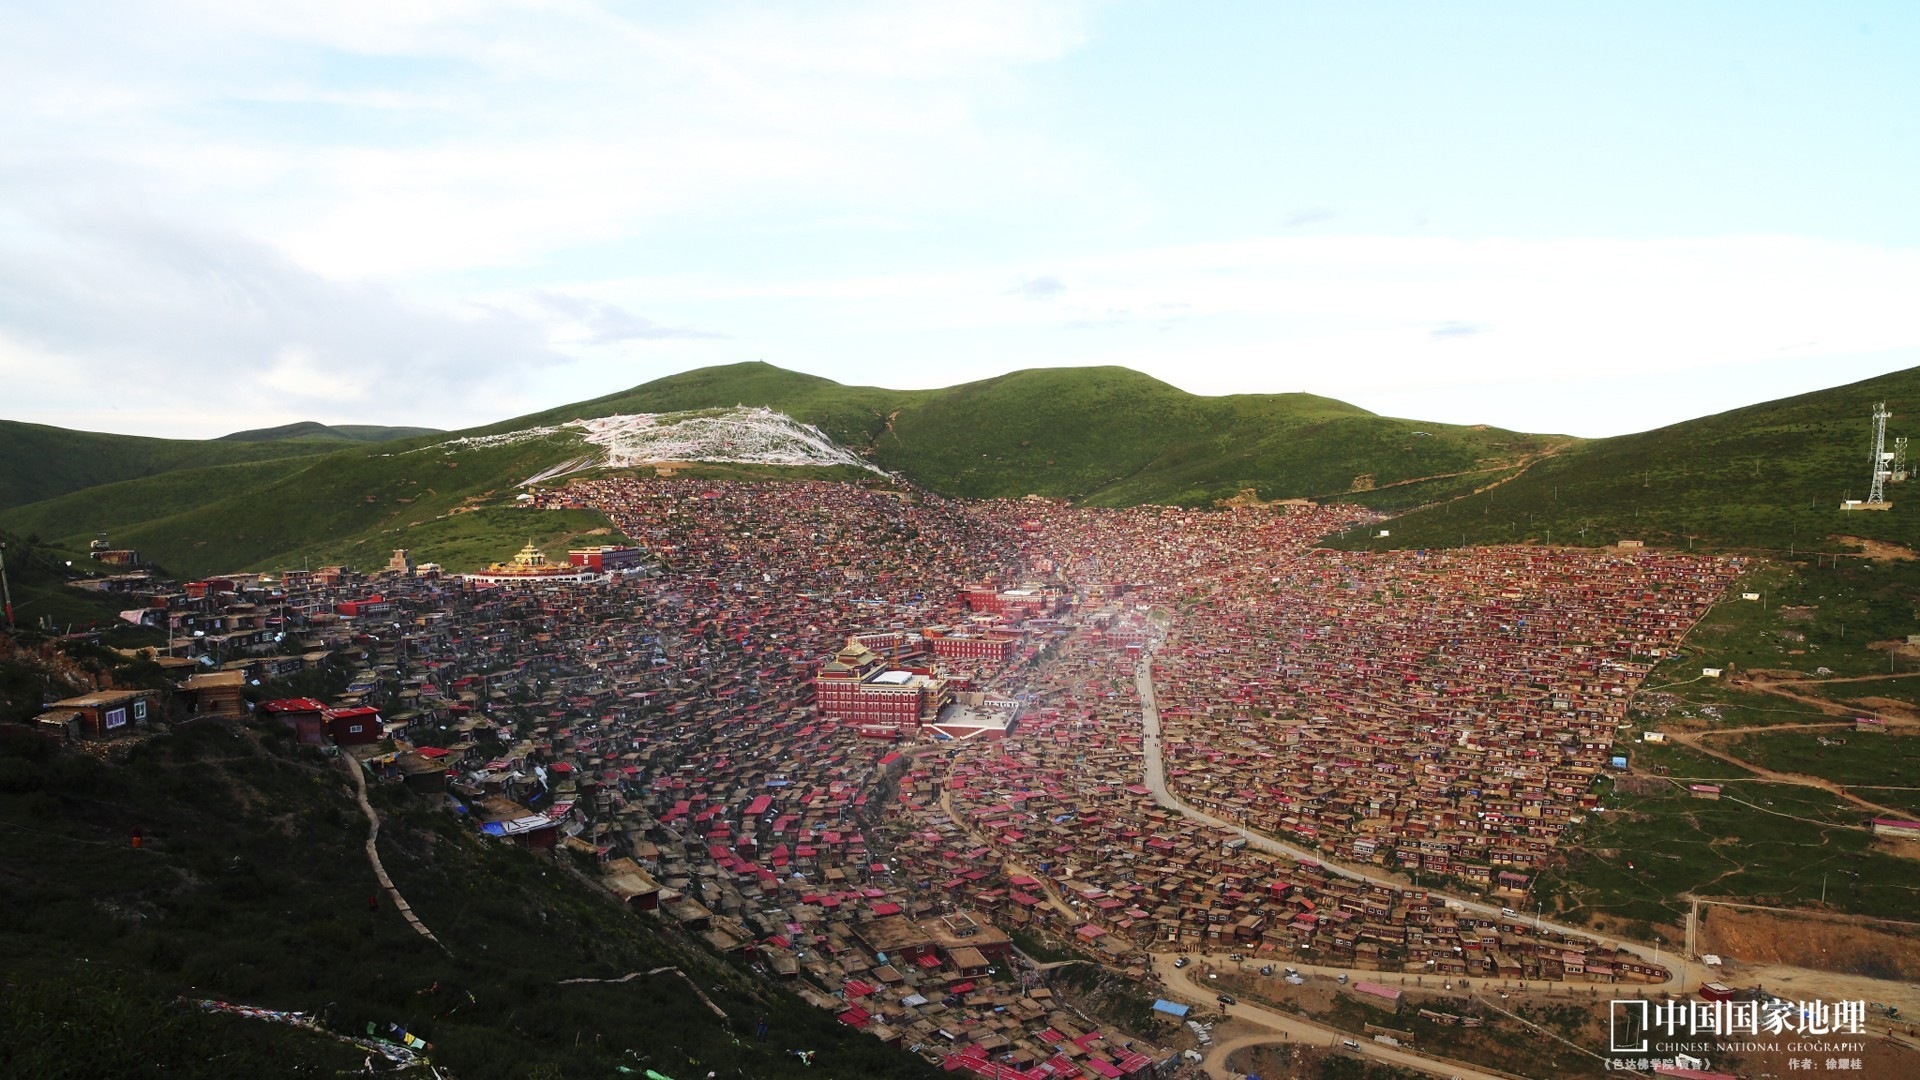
[
  {"x": 1226, "y": 999},
  {"x": 1182, "y": 962}
]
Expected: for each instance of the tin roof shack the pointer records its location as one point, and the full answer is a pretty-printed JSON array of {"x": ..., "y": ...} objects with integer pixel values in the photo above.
[
  {"x": 424, "y": 771},
  {"x": 965, "y": 929},
  {"x": 106, "y": 714},
  {"x": 215, "y": 695},
  {"x": 508, "y": 820},
  {"x": 635, "y": 887},
  {"x": 1896, "y": 828},
  {"x": 346, "y": 727},
  {"x": 896, "y": 937},
  {"x": 302, "y": 716}
]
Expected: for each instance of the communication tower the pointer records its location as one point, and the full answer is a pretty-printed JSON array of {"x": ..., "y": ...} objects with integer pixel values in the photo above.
[
  {"x": 1882, "y": 461},
  {"x": 1899, "y": 461},
  {"x": 1883, "y": 465}
]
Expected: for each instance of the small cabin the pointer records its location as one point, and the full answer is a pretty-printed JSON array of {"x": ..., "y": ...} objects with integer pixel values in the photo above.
[{"x": 105, "y": 714}]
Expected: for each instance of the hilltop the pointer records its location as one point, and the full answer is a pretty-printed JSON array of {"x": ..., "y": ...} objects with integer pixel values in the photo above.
[
  {"x": 1765, "y": 477},
  {"x": 39, "y": 462},
  {"x": 308, "y": 429},
  {"x": 1102, "y": 435}
]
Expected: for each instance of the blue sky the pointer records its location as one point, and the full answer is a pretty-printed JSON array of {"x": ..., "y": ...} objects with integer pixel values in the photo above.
[{"x": 1583, "y": 218}]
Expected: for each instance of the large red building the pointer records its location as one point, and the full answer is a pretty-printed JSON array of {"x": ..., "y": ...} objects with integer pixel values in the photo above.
[
  {"x": 1025, "y": 602},
  {"x": 970, "y": 645},
  {"x": 607, "y": 558},
  {"x": 858, "y": 687}
]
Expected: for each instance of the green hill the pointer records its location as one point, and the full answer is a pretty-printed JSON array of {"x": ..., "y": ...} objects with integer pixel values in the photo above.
[
  {"x": 1102, "y": 435},
  {"x": 308, "y": 429},
  {"x": 1768, "y": 476},
  {"x": 251, "y": 885},
  {"x": 39, "y": 462},
  {"x": 1105, "y": 435},
  {"x": 1114, "y": 437}
]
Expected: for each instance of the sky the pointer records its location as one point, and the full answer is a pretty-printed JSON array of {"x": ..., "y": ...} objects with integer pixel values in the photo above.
[{"x": 1583, "y": 218}]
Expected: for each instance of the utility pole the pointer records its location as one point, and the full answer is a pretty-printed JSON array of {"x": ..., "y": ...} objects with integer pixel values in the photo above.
[{"x": 6, "y": 593}]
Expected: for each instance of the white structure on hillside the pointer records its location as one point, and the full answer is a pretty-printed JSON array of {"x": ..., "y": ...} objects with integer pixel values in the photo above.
[{"x": 1883, "y": 465}]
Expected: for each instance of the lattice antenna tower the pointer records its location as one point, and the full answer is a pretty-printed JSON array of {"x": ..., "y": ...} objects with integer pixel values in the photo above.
[
  {"x": 1899, "y": 460},
  {"x": 1882, "y": 461}
]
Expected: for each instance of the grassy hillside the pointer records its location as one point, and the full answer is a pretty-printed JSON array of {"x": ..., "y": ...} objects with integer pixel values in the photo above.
[
  {"x": 79, "y": 516},
  {"x": 1107, "y": 436},
  {"x": 308, "y": 429},
  {"x": 37, "y": 579},
  {"x": 362, "y": 501},
  {"x": 1113, "y": 437},
  {"x": 39, "y": 462},
  {"x": 853, "y": 415},
  {"x": 1769, "y": 476},
  {"x": 251, "y": 886}
]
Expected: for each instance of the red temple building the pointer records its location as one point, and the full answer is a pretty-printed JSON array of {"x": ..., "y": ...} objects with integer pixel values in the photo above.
[{"x": 857, "y": 686}]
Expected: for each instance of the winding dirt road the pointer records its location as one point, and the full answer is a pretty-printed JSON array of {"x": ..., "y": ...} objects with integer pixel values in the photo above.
[{"x": 373, "y": 852}]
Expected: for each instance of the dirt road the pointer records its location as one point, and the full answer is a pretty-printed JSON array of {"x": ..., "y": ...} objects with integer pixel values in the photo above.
[
  {"x": 1696, "y": 741},
  {"x": 1279, "y": 1027}
]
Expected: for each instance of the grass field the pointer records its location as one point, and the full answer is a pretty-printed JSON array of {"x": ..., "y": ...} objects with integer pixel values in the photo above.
[
  {"x": 1769, "y": 476},
  {"x": 471, "y": 541},
  {"x": 1878, "y": 759},
  {"x": 1769, "y": 843}
]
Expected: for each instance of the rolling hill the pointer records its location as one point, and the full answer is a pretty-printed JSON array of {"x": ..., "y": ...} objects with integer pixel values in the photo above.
[
  {"x": 1769, "y": 476},
  {"x": 40, "y": 462},
  {"x": 1105, "y": 436},
  {"x": 308, "y": 429},
  {"x": 1765, "y": 477}
]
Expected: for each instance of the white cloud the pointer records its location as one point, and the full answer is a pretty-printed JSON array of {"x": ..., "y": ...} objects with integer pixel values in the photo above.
[
  {"x": 307, "y": 200},
  {"x": 388, "y": 139},
  {"x": 1366, "y": 319}
]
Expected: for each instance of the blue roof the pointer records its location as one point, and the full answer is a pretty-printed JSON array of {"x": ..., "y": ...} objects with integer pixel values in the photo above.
[{"x": 1168, "y": 1007}]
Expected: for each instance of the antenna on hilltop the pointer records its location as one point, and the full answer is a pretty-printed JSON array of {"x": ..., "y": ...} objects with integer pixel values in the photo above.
[
  {"x": 1882, "y": 461},
  {"x": 1883, "y": 464}
]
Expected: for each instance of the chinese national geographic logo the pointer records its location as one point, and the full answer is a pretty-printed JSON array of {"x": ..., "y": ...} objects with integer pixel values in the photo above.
[
  {"x": 1637, "y": 1023},
  {"x": 1672, "y": 1032}
]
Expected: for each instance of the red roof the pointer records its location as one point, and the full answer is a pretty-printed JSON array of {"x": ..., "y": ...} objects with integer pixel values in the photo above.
[{"x": 305, "y": 704}]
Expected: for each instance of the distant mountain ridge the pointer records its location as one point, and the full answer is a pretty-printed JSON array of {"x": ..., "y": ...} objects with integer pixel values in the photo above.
[
  {"x": 1760, "y": 476},
  {"x": 42, "y": 462},
  {"x": 308, "y": 429}
]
